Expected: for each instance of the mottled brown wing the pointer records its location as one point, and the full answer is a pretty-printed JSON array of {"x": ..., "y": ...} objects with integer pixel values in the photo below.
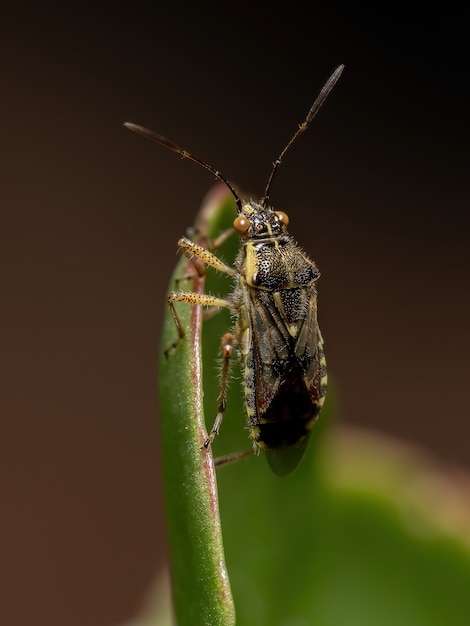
[{"x": 284, "y": 350}]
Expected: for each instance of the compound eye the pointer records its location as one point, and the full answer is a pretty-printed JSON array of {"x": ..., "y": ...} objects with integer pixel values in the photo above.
[
  {"x": 241, "y": 224},
  {"x": 282, "y": 217}
]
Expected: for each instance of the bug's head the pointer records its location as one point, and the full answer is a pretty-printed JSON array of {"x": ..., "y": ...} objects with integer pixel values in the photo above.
[{"x": 255, "y": 221}]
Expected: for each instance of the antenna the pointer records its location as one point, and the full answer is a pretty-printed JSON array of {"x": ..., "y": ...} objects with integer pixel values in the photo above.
[
  {"x": 150, "y": 134},
  {"x": 322, "y": 96}
]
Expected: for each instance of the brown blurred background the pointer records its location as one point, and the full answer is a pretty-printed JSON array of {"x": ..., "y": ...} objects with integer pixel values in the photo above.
[{"x": 377, "y": 192}]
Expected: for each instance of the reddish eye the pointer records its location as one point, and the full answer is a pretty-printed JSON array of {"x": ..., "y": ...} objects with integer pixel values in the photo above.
[
  {"x": 241, "y": 224},
  {"x": 282, "y": 217}
]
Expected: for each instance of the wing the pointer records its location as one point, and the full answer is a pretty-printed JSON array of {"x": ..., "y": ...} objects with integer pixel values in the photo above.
[{"x": 285, "y": 353}]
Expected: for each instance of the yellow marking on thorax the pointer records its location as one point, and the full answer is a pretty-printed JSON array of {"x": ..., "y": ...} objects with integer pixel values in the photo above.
[
  {"x": 251, "y": 264},
  {"x": 251, "y": 261}
]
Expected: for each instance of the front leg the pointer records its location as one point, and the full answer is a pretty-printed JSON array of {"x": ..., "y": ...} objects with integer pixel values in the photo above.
[
  {"x": 200, "y": 257},
  {"x": 192, "y": 250}
]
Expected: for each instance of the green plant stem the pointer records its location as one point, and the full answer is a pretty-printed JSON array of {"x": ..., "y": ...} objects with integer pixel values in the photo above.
[{"x": 200, "y": 584}]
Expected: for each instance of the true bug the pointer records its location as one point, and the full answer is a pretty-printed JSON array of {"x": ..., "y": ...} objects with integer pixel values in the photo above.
[{"x": 274, "y": 303}]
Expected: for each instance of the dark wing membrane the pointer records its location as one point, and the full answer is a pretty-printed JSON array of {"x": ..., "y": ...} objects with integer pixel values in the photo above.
[{"x": 285, "y": 353}]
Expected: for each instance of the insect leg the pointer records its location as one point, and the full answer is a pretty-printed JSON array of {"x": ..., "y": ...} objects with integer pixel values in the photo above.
[
  {"x": 190, "y": 297},
  {"x": 196, "y": 253},
  {"x": 192, "y": 250},
  {"x": 227, "y": 350},
  {"x": 231, "y": 458},
  {"x": 222, "y": 238}
]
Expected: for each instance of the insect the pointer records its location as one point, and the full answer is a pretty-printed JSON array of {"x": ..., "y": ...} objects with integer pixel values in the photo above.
[{"x": 274, "y": 304}]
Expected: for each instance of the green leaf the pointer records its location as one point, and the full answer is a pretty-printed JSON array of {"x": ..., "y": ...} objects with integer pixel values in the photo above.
[{"x": 363, "y": 533}]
